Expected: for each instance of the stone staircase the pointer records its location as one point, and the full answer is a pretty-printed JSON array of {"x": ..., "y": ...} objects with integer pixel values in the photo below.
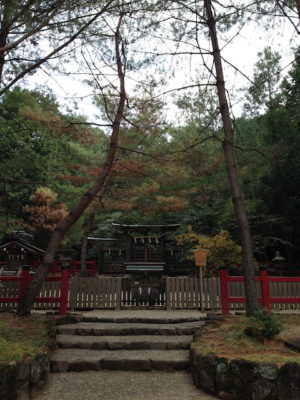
[{"x": 131, "y": 344}]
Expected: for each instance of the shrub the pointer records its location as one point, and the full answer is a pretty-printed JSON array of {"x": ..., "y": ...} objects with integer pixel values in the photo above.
[
  {"x": 222, "y": 250},
  {"x": 266, "y": 324}
]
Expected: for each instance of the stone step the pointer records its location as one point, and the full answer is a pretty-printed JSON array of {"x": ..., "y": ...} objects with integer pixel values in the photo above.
[
  {"x": 157, "y": 342},
  {"x": 141, "y": 320},
  {"x": 64, "y": 360},
  {"x": 126, "y": 329}
]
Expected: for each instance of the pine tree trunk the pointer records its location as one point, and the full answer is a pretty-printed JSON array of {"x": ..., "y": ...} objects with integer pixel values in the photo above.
[
  {"x": 235, "y": 189},
  {"x": 84, "y": 242},
  {"x": 298, "y": 7},
  {"x": 4, "y": 30},
  {"x": 33, "y": 289}
]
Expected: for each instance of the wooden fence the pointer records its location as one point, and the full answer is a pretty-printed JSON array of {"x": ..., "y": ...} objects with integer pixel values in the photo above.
[
  {"x": 179, "y": 293},
  {"x": 109, "y": 292},
  {"x": 54, "y": 292},
  {"x": 142, "y": 297},
  {"x": 95, "y": 293},
  {"x": 274, "y": 292},
  {"x": 48, "y": 289},
  {"x": 184, "y": 292},
  {"x": 277, "y": 289}
]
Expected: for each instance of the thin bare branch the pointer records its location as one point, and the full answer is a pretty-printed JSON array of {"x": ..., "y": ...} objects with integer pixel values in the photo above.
[
  {"x": 56, "y": 50},
  {"x": 18, "y": 181}
]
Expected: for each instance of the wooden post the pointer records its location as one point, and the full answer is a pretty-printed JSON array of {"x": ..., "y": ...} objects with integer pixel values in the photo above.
[
  {"x": 94, "y": 267},
  {"x": 264, "y": 284},
  {"x": 64, "y": 290},
  {"x": 129, "y": 249},
  {"x": 119, "y": 293},
  {"x": 224, "y": 290},
  {"x": 162, "y": 248},
  {"x": 200, "y": 261},
  {"x": 201, "y": 288},
  {"x": 168, "y": 294},
  {"x": 100, "y": 259},
  {"x": 25, "y": 279}
]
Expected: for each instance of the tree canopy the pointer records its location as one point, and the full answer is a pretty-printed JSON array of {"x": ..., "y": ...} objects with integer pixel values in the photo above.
[
  {"x": 153, "y": 180},
  {"x": 132, "y": 161}
]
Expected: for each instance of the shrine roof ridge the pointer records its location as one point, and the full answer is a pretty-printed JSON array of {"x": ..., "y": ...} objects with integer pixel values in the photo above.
[
  {"x": 168, "y": 227},
  {"x": 22, "y": 243},
  {"x": 103, "y": 239}
]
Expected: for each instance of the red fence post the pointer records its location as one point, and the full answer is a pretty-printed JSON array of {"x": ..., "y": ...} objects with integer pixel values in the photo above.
[
  {"x": 224, "y": 290},
  {"x": 25, "y": 279},
  {"x": 64, "y": 290},
  {"x": 94, "y": 267},
  {"x": 264, "y": 284}
]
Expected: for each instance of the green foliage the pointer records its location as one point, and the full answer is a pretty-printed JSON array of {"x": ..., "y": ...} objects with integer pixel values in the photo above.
[
  {"x": 27, "y": 152},
  {"x": 166, "y": 174},
  {"x": 265, "y": 81},
  {"x": 191, "y": 187},
  {"x": 266, "y": 322},
  {"x": 222, "y": 250},
  {"x": 40, "y": 146},
  {"x": 280, "y": 184}
]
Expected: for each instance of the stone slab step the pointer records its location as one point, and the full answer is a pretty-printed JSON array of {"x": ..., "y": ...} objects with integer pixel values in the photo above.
[
  {"x": 125, "y": 329},
  {"x": 64, "y": 360},
  {"x": 141, "y": 320},
  {"x": 158, "y": 342}
]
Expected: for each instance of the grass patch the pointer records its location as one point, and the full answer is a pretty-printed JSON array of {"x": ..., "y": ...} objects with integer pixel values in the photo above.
[
  {"x": 229, "y": 340},
  {"x": 21, "y": 337}
]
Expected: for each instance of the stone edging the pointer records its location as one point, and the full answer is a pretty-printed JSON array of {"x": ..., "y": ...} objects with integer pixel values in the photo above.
[
  {"x": 244, "y": 380},
  {"x": 23, "y": 380}
]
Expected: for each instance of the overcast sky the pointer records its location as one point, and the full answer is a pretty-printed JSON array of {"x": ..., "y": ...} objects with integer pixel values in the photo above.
[{"x": 241, "y": 52}]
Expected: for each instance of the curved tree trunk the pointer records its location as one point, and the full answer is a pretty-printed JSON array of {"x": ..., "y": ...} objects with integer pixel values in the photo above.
[
  {"x": 98, "y": 188},
  {"x": 235, "y": 189}
]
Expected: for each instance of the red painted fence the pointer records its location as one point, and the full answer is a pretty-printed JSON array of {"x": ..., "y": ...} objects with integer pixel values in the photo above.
[
  {"x": 24, "y": 280},
  {"x": 264, "y": 279}
]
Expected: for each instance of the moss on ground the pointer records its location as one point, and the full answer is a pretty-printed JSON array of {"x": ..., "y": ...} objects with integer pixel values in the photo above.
[
  {"x": 22, "y": 337},
  {"x": 229, "y": 340}
]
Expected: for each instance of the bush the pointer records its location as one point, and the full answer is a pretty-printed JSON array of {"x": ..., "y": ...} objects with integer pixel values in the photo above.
[
  {"x": 222, "y": 250},
  {"x": 265, "y": 323}
]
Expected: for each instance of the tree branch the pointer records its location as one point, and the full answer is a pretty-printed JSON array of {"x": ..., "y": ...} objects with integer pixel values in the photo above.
[{"x": 57, "y": 50}]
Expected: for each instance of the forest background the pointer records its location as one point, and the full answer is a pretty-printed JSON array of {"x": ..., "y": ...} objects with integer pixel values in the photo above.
[{"x": 164, "y": 172}]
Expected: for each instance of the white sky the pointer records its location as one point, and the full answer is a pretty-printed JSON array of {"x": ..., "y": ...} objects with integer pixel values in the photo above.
[{"x": 241, "y": 52}]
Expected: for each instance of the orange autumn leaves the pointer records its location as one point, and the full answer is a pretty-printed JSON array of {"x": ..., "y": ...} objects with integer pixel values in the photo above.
[{"x": 45, "y": 212}]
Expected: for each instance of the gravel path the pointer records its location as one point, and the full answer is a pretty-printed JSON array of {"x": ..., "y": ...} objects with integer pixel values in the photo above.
[{"x": 121, "y": 385}]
